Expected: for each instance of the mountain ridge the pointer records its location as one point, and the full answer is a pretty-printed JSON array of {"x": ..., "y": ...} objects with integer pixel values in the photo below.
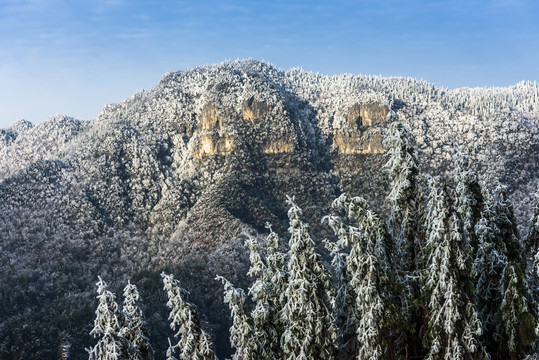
[{"x": 173, "y": 176}]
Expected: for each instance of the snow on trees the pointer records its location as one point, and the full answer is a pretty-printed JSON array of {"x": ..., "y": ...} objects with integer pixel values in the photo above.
[
  {"x": 269, "y": 283},
  {"x": 242, "y": 333},
  {"x": 469, "y": 200},
  {"x": 309, "y": 332},
  {"x": 404, "y": 196},
  {"x": 107, "y": 325},
  {"x": 135, "y": 329},
  {"x": 369, "y": 272},
  {"x": 194, "y": 343},
  {"x": 405, "y": 223},
  {"x": 453, "y": 329}
]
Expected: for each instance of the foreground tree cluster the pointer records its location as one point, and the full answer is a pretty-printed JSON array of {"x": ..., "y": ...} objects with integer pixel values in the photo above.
[{"x": 446, "y": 276}]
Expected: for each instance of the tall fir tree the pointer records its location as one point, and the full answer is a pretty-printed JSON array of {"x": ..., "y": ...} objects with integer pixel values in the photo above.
[
  {"x": 405, "y": 227},
  {"x": 242, "y": 333},
  {"x": 453, "y": 329},
  {"x": 515, "y": 317},
  {"x": 371, "y": 283},
  {"x": 489, "y": 263},
  {"x": 469, "y": 199},
  {"x": 343, "y": 299},
  {"x": 194, "y": 343},
  {"x": 309, "y": 331},
  {"x": 135, "y": 329},
  {"x": 532, "y": 240},
  {"x": 404, "y": 195},
  {"x": 107, "y": 325},
  {"x": 269, "y": 281},
  {"x": 516, "y": 322}
]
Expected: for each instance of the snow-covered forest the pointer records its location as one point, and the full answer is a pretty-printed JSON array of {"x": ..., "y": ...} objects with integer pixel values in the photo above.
[{"x": 171, "y": 179}]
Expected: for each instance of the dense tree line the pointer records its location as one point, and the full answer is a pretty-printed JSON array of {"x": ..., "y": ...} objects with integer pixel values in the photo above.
[{"x": 446, "y": 276}]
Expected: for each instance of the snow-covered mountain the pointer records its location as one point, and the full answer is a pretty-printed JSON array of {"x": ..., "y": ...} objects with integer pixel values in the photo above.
[{"x": 171, "y": 177}]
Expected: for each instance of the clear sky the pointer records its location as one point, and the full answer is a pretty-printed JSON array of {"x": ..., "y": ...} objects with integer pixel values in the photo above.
[{"x": 72, "y": 57}]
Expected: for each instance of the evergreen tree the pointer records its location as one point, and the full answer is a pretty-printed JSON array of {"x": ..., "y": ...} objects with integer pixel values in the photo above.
[
  {"x": 453, "y": 329},
  {"x": 490, "y": 261},
  {"x": 469, "y": 198},
  {"x": 369, "y": 267},
  {"x": 136, "y": 329},
  {"x": 343, "y": 300},
  {"x": 268, "y": 285},
  {"x": 506, "y": 224},
  {"x": 107, "y": 325},
  {"x": 517, "y": 324},
  {"x": 405, "y": 227},
  {"x": 194, "y": 343},
  {"x": 404, "y": 196},
  {"x": 309, "y": 331},
  {"x": 242, "y": 333},
  {"x": 532, "y": 240}
]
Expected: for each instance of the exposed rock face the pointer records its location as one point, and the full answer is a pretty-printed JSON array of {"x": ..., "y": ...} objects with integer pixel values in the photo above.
[
  {"x": 362, "y": 131},
  {"x": 369, "y": 114},
  {"x": 173, "y": 176},
  {"x": 255, "y": 110}
]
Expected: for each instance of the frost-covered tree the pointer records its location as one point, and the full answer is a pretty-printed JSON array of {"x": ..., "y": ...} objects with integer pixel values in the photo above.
[
  {"x": 532, "y": 247},
  {"x": 266, "y": 291},
  {"x": 404, "y": 197},
  {"x": 309, "y": 331},
  {"x": 405, "y": 225},
  {"x": 453, "y": 328},
  {"x": 343, "y": 301},
  {"x": 194, "y": 343},
  {"x": 506, "y": 224},
  {"x": 369, "y": 266},
  {"x": 242, "y": 333},
  {"x": 533, "y": 232},
  {"x": 107, "y": 326},
  {"x": 516, "y": 321},
  {"x": 135, "y": 329},
  {"x": 532, "y": 258},
  {"x": 469, "y": 200},
  {"x": 490, "y": 261}
]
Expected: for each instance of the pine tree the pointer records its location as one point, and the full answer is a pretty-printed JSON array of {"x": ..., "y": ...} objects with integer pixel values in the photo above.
[
  {"x": 532, "y": 258},
  {"x": 517, "y": 324},
  {"x": 453, "y": 329},
  {"x": 490, "y": 261},
  {"x": 107, "y": 325},
  {"x": 309, "y": 331},
  {"x": 371, "y": 282},
  {"x": 506, "y": 224},
  {"x": 532, "y": 240},
  {"x": 194, "y": 343},
  {"x": 469, "y": 197},
  {"x": 136, "y": 329},
  {"x": 404, "y": 196},
  {"x": 405, "y": 227},
  {"x": 242, "y": 333},
  {"x": 269, "y": 283},
  {"x": 343, "y": 300}
]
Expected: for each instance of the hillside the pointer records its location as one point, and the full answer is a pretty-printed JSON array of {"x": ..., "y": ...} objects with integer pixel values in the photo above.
[{"x": 171, "y": 177}]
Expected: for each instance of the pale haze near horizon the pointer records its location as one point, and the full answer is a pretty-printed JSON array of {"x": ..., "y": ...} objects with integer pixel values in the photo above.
[{"x": 65, "y": 58}]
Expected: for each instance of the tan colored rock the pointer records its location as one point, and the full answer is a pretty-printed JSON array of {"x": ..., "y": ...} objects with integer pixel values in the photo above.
[
  {"x": 211, "y": 118},
  {"x": 253, "y": 109},
  {"x": 359, "y": 115},
  {"x": 209, "y": 145},
  {"x": 349, "y": 145},
  {"x": 278, "y": 147}
]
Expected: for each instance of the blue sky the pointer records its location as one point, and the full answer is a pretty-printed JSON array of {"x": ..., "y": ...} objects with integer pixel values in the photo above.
[{"x": 73, "y": 57}]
